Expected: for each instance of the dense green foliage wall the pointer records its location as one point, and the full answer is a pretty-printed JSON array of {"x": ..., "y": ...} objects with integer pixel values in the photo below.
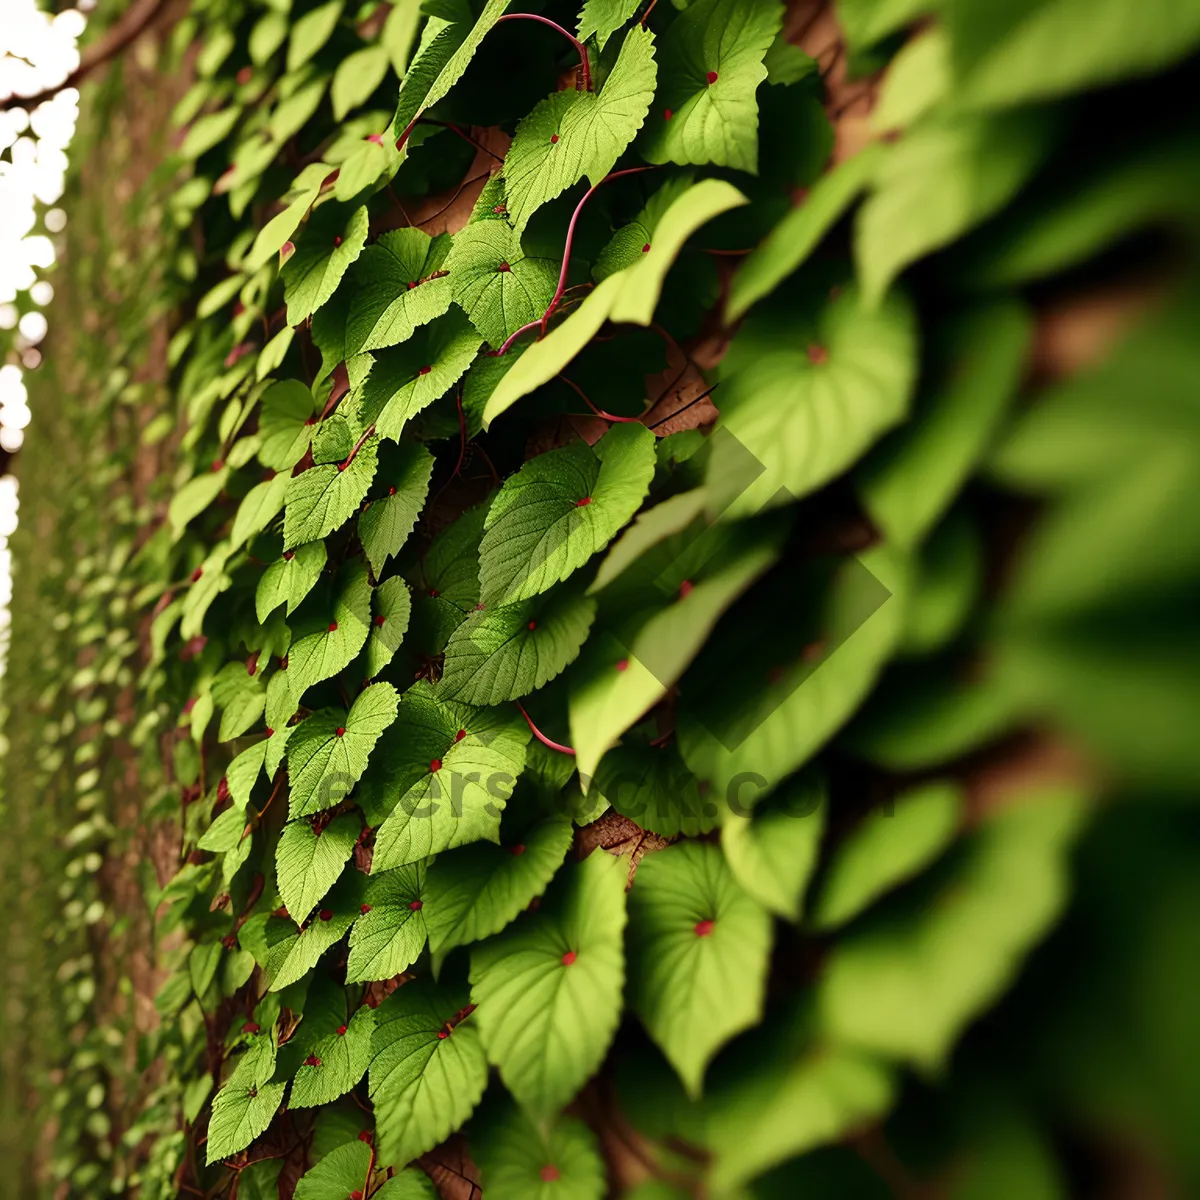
[{"x": 447, "y": 785}]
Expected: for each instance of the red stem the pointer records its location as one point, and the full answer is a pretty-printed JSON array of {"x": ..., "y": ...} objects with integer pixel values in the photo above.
[
  {"x": 537, "y": 733},
  {"x": 566, "y": 265},
  {"x": 362, "y": 441},
  {"x": 604, "y": 416},
  {"x": 584, "y": 64}
]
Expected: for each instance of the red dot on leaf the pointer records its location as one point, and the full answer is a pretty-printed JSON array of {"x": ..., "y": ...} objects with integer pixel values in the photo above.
[
  {"x": 479, "y": 608},
  {"x": 623, "y": 665},
  {"x": 326, "y": 914},
  {"x": 704, "y": 928},
  {"x": 341, "y": 1030},
  {"x": 197, "y": 573},
  {"x": 312, "y": 1061},
  {"x": 364, "y": 908},
  {"x": 584, "y": 502},
  {"x": 711, "y": 77},
  {"x": 685, "y": 589},
  {"x": 646, "y": 248},
  {"x": 817, "y": 354},
  {"x": 245, "y": 75},
  {"x": 504, "y": 267},
  {"x": 667, "y": 114},
  {"x": 433, "y": 591},
  {"x": 337, "y": 241},
  {"x": 416, "y": 906},
  {"x": 554, "y": 139},
  {"x": 436, "y": 765},
  {"x": 424, "y": 370},
  {"x": 286, "y": 249},
  {"x": 517, "y": 850},
  {"x": 443, "y": 1034},
  {"x": 412, "y": 284},
  {"x": 462, "y": 733},
  {"x": 341, "y": 731},
  {"x": 549, "y": 1173},
  {"x": 391, "y": 491},
  {"x": 379, "y": 620},
  {"x": 377, "y": 138},
  {"x": 288, "y": 555},
  {"x": 532, "y": 624},
  {"x": 270, "y": 731},
  {"x": 364, "y": 1135},
  {"x": 356, "y": 1195},
  {"x": 250, "y": 1027},
  {"x": 332, "y": 626},
  {"x": 569, "y": 958}
]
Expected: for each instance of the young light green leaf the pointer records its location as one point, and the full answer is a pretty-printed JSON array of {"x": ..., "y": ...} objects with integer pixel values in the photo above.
[
  {"x": 560, "y": 509},
  {"x": 712, "y": 64},
  {"x": 289, "y": 579},
  {"x": 549, "y": 987},
  {"x": 285, "y": 424},
  {"x": 296, "y": 952},
  {"x": 888, "y": 848},
  {"x": 396, "y": 290},
  {"x": 299, "y": 198},
  {"x": 312, "y": 31},
  {"x": 259, "y": 507},
  {"x": 698, "y": 950},
  {"x": 331, "y": 241},
  {"x": 427, "y": 1074},
  {"x": 495, "y": 284},
  {"x": 357, "y": 76},
  {"x": 243, "y": 1108},
  {"x": 504, "y": 653},
  {"x": 339, "y": 1174},
  {"x": 978, "y": 162},
  {"x": 913, "y": 476},
  {"x": 520, "y": 1159},
  {"x": 242, "y": 774},
  {"x": 384, "y": 527},
  {"x": 807, "y": 414},
  {"x": 445, "y": 777},
  {"x": 392, "y": 605},
  {"x": 342, "y": 1060},
  {"x": 408, "y": 378},
  {"x": 572, "y": 134},
  {"x": 602, "y": 18},
  {"x": 309, "y": 858},
  {"x": 478, "y": 890},
  {"x": 240, "y": 696},
  {"x": 325, "y": 497},
  {"x": 790, "y": 243},
  {"x": 328, "y": 752},
  {"x": 390, "y": 934},
  {"x": 773, "y": 854},
  {"x": 195, "y": 497}
]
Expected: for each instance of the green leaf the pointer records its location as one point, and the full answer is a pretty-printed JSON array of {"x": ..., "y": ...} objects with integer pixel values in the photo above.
[
  {"x": 549, "y": 987},
  {"x": 289, "y": 579},
  {"x": 602, "y": 18},
  {"x": 387, "y": 522},
  {"x": 773, "y": 853},
  {"x": 343, "y": 1058},
  {"x": 330, "y": 642},
  {"x": 323, "y": 764},
  {"x": 409, "y": 1184},
  {"x": 299, "y": 198},
  {"x": 912, "y": 478},
  {"x": 631, "y": 241},
  {"x": 892, "y": 845},
  {"x": 396, "y": 292},
  {"x": 753, "y": 736},
  {"x": 408, "y": 378},
  {"x": 495, "y": 284},
  {"x": 572, "y": 134},
  {"x": 538, "y": 532},
  {"x": 242, "y": 774},
  {"x": 399, "y": 33},
  {"x": 808, "y": 413},
  {"x": 294, "y": 952},
  {"x": 311, "y": 32},
  {"x": 209, "y": 131},
  {"x": 308, "y": 861},
  {"x": 940, "y": 179},
  {"x": 259, "y": 507},
  {"x": 357, "y": 76},
  {"x": 519, "y": 1159},
  {"x": 424, "y": 1086},
  {"x": 787, "y": 64},
  {"x": 698, "y": 950},
  {"x": 504, "y": 653},
  {"x": 477, "y": 891},
  {"x": 325, "y": 497},
  {"x": 392, "y": 604},
  {"x": 341, "y": 1172},
  {"x": 243, "y": 1108},
  {"x": 441, "y": 789},
  {"x": 905, "y": 982},
  {"x": 712, "y": 64},
  {"x": 652, "y": 786},
  {"x": 285, "y": 424},
  {"x": 788, "y": 1092},
  {"x": 1030, "y": 51},
  {"x": 790, "y": 243},
  {"x": 268, "y": 34},
  {"x": 240, "y": 696},
  {"x": 332, "y": 240},
  {"x": 195, "y": 497},
  {"x": 390, "y": 934}
]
